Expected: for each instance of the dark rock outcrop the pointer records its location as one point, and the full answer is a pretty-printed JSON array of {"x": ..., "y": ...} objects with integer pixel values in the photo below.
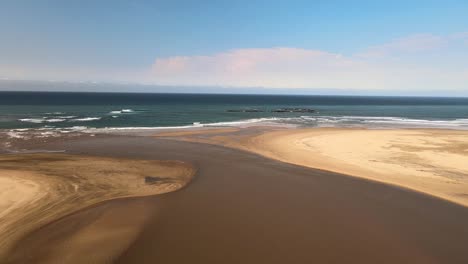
[{"x": 293, "y": 110}]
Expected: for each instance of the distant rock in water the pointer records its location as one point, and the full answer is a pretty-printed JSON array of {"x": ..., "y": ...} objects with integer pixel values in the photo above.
[
  {"x": 279, "y": 110},
  {"x": 293, "y": 110},
  {"x": 244, "y": 111}
]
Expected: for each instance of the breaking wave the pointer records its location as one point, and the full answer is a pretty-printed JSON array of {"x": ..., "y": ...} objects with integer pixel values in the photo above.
[
  {"x": 41, "y": 120},
  {"x": 122, "y": 111},
  {"x": 321, "y": 121},
  {"x": 85, "y": 119}
]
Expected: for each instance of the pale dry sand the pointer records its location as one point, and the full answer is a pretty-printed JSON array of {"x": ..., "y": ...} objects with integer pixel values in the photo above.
[
  {"x": 427, "y": 160},
  {"x": 430, "y": 161},
  {"x": 36, "y": 189}
]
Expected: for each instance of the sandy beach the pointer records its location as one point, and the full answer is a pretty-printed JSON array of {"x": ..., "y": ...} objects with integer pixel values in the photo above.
[
  {"x": 432, "y": 161},
  {"x": 36, "y": 189},
  {"x": 245, "y": 208},
  {"x": 249, "y": 199}
]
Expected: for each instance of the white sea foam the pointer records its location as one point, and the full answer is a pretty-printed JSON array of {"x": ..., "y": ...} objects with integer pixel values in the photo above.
[
  {"x": 48, "y": 134},
  {"x": 275, "y": 121},
  {"x": 42, "y": 132},
  {"x": 373, "y": 121},
  {"x": 139, "y": 128},
  {"x": 306, "y": 121},
  {"x": 12, "y": 134},
  {"x": 323, "y": 121},
  {"x": 78, "y": 127},
  {"x": 122, "y": 111},
  {"x": 54, "y": 120},
  {"x": 41, "y": 120},
  {"x": 55, "y": 113},
  {"x": 240, "y": 123},
  {"x": 85, "y": 119},
  {"x": 32, "y": 120}
]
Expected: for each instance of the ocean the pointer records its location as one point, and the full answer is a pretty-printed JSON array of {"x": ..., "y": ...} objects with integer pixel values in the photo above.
[{"x": 65, "y": 112}]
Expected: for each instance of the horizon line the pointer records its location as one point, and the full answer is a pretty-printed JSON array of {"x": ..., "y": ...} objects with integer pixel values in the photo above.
[{"x": 235, "y": 90}]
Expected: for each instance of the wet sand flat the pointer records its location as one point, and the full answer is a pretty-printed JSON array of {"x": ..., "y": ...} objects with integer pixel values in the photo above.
[
  {"x": 36, "y": 189},
  {"x": 244, "y": 208}
]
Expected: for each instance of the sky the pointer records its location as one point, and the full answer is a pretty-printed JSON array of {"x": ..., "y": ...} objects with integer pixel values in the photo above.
[{"x": 289, "y": 46}]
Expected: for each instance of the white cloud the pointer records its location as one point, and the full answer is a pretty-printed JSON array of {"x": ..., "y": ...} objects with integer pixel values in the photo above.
[
  {"x": 422, "y": 61},
  {"x": 275, "y": 67}
]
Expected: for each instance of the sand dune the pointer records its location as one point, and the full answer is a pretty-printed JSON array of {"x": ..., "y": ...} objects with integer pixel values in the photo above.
[{"x": 38, "y": 188}]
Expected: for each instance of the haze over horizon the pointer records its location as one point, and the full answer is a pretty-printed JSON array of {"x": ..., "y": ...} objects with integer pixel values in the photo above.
[
  {"x": 294, "y": 47},
  {"x": 109, "y": 87}
]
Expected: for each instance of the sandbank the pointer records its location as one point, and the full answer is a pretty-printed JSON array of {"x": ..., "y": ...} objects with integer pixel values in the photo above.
[
  {"x": 433, "y": 161},
  {"x": 36, "y": 189}
]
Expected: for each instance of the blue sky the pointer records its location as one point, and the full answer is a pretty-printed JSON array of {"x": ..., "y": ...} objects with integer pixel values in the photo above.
[{"x": 279, "y": 44}]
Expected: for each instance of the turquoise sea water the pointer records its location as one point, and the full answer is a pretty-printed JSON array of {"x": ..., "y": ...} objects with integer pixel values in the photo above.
[{"x": 79, "y": 111}]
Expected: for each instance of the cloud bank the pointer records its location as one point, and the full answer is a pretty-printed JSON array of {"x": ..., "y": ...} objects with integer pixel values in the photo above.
[{"x": 417, "y": 62}]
